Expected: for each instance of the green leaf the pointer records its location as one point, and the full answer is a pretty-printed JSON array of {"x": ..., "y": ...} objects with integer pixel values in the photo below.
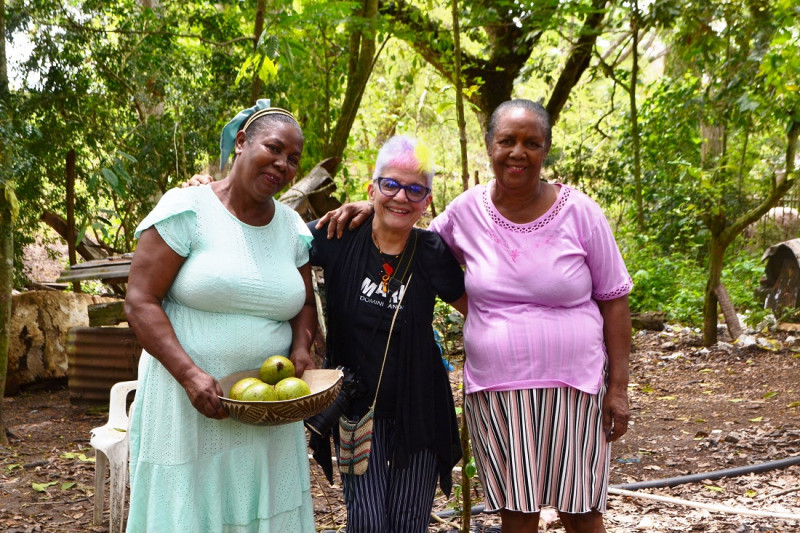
[
  {"x": 470, "y": 469},
  {"x": 243, "y": 70},
  {"x": 110, "y": 177},
  {"x": 129, "y": 157},
  {"x": 68, "y": 485},
  {"x": 41, "y": 487},
  {"x": 714, "y": 488},
  {"x": 268, "y": 70},
  {"x": 757, "y": 419},
  {"x": 770, "y": 394},
  {"x": 77, "y": 455}
]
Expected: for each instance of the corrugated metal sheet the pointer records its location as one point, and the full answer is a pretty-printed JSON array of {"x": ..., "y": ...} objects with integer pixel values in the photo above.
[
  {"x": 98, "y": 358},
  {"x": 112, "y": 268}
]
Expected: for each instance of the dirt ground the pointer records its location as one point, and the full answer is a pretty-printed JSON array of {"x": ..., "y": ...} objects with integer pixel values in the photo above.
[{"x": 694, "y": 411}]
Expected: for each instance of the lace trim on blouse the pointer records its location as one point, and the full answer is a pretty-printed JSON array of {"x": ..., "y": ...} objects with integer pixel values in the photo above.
[
  {"x": 531, "y": 226},
  {"x": 616, "y": 293}
]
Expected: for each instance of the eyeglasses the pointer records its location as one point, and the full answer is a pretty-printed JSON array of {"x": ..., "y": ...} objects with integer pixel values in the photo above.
[{"x": 414, "y": 192}]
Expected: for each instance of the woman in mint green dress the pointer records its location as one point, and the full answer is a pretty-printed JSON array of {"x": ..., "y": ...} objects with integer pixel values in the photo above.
[{"x": 219, "y": 281}]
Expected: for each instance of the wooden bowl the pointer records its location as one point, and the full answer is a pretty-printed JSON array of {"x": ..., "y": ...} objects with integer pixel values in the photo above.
[{"x": 325, "y": 384}]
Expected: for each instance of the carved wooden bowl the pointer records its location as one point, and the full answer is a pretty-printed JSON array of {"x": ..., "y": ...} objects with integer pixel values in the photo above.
[{"x": 324, "y": 384}]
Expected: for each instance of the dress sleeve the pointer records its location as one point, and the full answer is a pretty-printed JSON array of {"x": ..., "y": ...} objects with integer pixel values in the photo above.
[
  {"x": 610, "y": 278},
  {"x": 175, "y": 219},
  {"x": 304, "y": 239}
]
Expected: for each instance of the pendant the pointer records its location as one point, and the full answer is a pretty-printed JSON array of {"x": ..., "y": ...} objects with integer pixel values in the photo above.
[{"x": 385, "y": 282}]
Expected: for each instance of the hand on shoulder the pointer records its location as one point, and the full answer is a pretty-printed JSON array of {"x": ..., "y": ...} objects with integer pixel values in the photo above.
[{"x": 197, "y": 179}]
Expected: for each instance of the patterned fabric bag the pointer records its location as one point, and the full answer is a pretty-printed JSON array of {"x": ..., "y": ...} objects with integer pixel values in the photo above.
[{"x": 355, "y": 444}]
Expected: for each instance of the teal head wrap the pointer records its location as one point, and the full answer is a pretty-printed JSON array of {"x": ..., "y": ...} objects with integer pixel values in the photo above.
[
  {"x": 228, "y": 137},
  {"x": 246, "y": 117}
]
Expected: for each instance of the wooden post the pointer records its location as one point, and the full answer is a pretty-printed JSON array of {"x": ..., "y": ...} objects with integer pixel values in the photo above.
[
  {"x": 731, "y": 319},
  {"x": 71, "y": 237}
]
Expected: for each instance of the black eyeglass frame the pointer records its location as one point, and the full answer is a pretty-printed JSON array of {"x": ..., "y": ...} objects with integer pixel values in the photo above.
[{"x": 407, "y": 188}]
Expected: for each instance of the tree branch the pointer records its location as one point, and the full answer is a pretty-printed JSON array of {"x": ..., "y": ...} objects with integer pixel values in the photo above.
[{"x": 578, "y": 60}]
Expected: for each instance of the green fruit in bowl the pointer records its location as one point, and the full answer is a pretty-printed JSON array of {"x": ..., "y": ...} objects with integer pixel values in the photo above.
[
  {"x": 291, "y": 388},
  {"x": 260, "y": 392},
  {"x": 240, "y": 386},
  {"x": 276, "y": 368}
]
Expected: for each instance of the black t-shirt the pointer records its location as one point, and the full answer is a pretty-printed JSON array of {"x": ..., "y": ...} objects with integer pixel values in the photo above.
[{"x": 435, "y": 272}]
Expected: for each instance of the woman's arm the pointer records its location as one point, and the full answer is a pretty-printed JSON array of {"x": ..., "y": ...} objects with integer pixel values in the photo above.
[
  {"x": 304, "y": 326},
  {"x": 337, "y": 219},
  {"x": 461, "y": 305},
  {"x": 617, "y": 336},
  {"x": 153, "y": 269}
]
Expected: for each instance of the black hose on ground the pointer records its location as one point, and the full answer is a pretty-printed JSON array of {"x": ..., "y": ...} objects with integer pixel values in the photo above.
[
  {"x": 476, "y": 509},
  {"x": 716, "y": 474}
]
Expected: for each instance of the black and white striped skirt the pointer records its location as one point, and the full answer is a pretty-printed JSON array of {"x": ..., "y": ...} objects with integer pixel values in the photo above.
[{"x": 540, "y": 447}]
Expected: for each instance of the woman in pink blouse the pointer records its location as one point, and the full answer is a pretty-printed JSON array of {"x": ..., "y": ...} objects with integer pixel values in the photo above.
[{"x": 547, "y": 335}]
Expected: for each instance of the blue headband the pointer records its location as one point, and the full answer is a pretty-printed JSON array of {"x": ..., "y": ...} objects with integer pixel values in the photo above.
[{"x": 228, "y": 137}]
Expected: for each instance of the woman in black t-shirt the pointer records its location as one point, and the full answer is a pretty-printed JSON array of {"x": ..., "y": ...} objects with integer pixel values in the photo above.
[{"x": 367, "y": 273}]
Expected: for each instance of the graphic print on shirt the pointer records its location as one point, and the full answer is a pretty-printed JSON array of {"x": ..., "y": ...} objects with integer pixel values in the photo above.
[{"x": 371, "y": 293}]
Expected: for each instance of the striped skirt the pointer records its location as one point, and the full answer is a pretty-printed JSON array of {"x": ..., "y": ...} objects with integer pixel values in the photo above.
[{"x": 540, "y": 447}]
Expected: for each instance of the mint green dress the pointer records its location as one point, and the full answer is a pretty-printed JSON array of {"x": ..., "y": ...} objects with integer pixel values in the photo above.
[{"x": 229, "y": 305}]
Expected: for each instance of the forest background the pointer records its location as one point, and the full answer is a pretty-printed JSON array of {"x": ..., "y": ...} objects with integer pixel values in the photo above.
[{"x": 679, "y": 117}]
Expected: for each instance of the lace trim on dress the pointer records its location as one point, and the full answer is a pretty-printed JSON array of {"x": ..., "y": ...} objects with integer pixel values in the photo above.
[
  {"x": 530, "y": 227},
  {"x": 616, "y": 293}
]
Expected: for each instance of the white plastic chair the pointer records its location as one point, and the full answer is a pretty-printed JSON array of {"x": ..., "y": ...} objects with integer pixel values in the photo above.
[{"x": 111, "y": 449}]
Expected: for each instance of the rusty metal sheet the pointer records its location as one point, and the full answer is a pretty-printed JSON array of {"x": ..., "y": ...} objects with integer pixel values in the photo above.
[
  {"x": 793, "y": 245},
  {"x": 98, "y": 357}
]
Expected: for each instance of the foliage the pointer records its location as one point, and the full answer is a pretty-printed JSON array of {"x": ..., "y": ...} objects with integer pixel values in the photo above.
[
  {"x": 140, "y": 95},
  {"x": 675, "y": 282},
  {"x": 448, "y": 325}
]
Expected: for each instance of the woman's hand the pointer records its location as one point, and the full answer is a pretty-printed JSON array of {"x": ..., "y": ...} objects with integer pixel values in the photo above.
[
  {"x": 338, "y": 218},
  {"x": 204, "y": 392},
  {"x": 302, "y": 361},
  {"x": 616, "y": 413},
  {"x": 197, "y": 179}
]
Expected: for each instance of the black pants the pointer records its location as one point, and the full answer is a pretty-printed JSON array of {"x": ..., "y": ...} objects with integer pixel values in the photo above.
[{"x": 387, "y": 498}]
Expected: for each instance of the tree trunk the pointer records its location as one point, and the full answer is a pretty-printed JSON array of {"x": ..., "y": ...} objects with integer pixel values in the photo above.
[
  {"x": 462, "y": 124},
  {"x": 362, "y": 58},
  {"x": 723, "y": 234},
  {"x": 710, "y": 314},
  {"x": 3, "y": 65},
  {"x": 466, "y": 484},
  {"x": 6, "y": 285},
  {"x": 578, "y": 59},
  {"x": 258, "y": 29},
  {"x": 635, "y": 142},
  {"x": 6, "y": 241},
  {"x": 71, "y": 237}
]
